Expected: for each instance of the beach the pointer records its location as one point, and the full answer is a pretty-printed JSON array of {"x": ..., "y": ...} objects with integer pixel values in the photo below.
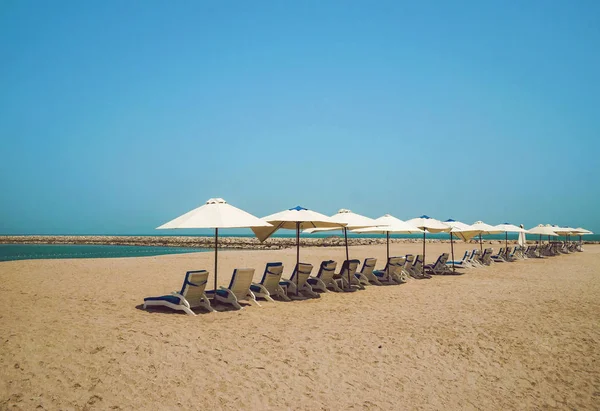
[{"x": 521, "y": 335}]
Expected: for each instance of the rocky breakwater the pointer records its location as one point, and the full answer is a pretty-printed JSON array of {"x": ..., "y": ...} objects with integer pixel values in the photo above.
[{"x": 198, "y": 242}]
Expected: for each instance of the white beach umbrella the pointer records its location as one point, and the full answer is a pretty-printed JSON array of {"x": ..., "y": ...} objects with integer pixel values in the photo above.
[
  {"x": 388, "y": 224},
  {"x": 509, "y": 228},
  {"x": 582, "y": 231},
  {"x": 566, "y": 231},
  {"x": 461, "y": 230},
  {"x": 541, "y": 230},
  {"x": 352, "y": 221},
  {"x": 297, "y": 218},
  {"x": 216, "y": 213},
  {"x": 430, "y": 225},
  {"x": 484, "y": 229}
]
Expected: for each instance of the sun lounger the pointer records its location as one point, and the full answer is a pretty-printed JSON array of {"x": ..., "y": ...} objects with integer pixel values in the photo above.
[
  {"x": 348, "y": 270},
  {"x": 297, "y": 284},
  {"x": 191, "y": 295},
  {"x": 239, "y": 289},
  {"x": 324, "y": 278},
  {"x": 464, "y": 263},
  {"x": 416, "y": 270},
  {"x": 499, "y": 258},
  {"x": 392, "y": 272},
  {"x": 486, "y": 258},
  {"x": 269, "y": 284},
  {"x": 366, "y": 273},
  {"x": 439, "y": 267}
]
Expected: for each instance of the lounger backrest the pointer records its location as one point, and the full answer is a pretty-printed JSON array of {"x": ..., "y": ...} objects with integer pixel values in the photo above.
[
  {"x": 473, "y": 255},
  {"x": 194, "y": 285},
  {"x": 326, "y": 271},
  {"x": 368, "y": 266},
  {"x": 408, "y": 261},
  {"x": 272, "y": 276},
  {"x": 302, "y": 270},
  {"x": 442, "y": 260},
  {"x": 349, "y": 268},
  {"x": 418, "y": 264},
  {"x": 241, "y": 281}
]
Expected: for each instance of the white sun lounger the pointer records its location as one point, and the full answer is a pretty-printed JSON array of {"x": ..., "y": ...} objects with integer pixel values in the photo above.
[
  {"x": 392, "y": 272},
  {"x": 324, "y": 278},
  {"x": 239, "y": 289},
  {"x": 269, "y": 284},
  {"x": 365, "y": 274},
  {"x": 298, "y": 286},
  {"x": 349, "y": 268},
  {"x": 191, "y": 295}
]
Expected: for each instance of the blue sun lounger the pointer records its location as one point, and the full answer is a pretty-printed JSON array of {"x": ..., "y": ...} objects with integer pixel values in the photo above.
[
  {"x": 269, "y": 285},
  {"x": 191, "y": 295},
  {"x": 239, "y": 289},
  {"x": 299, "y": 286},
  {"x": 324, "y": 278}
]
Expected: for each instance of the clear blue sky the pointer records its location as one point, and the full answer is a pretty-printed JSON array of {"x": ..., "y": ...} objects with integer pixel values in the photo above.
[{"x": 118, "y": 116}]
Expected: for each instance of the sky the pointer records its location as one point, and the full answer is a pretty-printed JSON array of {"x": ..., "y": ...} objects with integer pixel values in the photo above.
[{"x": 116, "y": 117}]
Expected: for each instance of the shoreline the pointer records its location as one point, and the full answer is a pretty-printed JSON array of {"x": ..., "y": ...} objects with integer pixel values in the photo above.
[{"x": 243, "y": 243}]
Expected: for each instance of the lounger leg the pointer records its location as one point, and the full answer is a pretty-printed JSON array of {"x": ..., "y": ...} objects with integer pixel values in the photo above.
[
  {"x": 281, "y": 293},
  {"x": 187, "y": 310},
  {"x": 253, "y": 298},
  {"x": 206, "y": 304}
]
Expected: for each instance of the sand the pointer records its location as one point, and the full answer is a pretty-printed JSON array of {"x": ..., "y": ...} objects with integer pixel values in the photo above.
[{"x": 521, "y": 335}]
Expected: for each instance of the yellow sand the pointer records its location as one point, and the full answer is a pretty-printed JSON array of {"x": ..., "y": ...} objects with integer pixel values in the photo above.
[{"x": 521, "y": 335}]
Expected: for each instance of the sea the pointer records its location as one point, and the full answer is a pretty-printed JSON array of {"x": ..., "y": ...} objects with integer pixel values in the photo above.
[{"x": 9, "y": 252}]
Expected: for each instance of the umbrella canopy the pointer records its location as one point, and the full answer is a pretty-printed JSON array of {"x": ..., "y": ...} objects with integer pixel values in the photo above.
[
  {"x": 461, "y": 230},
  {"x": 292, "y": 219},
  {"x": 582, "y": 231},
  {"x": 564, "y": 230},
  {"x": 541, "y": 229},
  {"x": 352, "y": 221},
  {"x": 388, "y": 224},
  {"x": 509, "y": 228},
  {"x": 216, "y": 213},
  {"x": 345, "y": 216},
  {"x": 297, "y": 218},
  {"x": 431, "y": 225}
]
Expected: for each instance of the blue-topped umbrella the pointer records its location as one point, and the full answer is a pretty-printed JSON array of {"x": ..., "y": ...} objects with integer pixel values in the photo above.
[
  {"x": 428, "y": 224},
  {"x": 296, "y": 218}
]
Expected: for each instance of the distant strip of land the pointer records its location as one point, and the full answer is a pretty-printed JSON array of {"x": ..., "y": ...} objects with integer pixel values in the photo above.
[{"x": 273, "y": 243}]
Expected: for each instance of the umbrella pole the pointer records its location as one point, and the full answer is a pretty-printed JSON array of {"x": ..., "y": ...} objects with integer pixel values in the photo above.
[
  {"x": 423, "y": 268},
  {"x": 297, "y": 257},
  {"x": 452, "y": 248},
  {"x": 347, "y": 255},
  {"x": 387, "y": 264},
  {"x": 480, "y": 243},
  {"x": 540, "y": 242},
  {"x": 506, "y": 244},
  {"x": 216, "y": 257}
]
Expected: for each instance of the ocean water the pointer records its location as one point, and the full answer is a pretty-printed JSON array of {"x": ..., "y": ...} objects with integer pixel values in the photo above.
[{"x": 9, "y": 252}]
